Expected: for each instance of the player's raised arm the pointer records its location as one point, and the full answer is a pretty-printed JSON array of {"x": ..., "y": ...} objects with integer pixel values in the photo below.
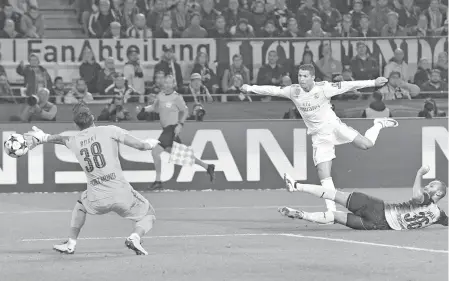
[
  {"x": 417, "y": 185},
  {"x": 333, "y": 89},
  {"x": 123, "y": 136},
  {"x": 275, "y": 91},
  {"x": 37, "y": 136}
]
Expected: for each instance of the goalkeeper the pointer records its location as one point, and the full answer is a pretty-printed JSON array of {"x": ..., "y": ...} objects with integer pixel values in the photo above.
[{"x": 96, "y": 149}]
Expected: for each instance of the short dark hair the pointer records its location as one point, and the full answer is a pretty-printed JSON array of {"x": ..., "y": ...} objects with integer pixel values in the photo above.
[
  {"x": 309, "y": 67},
  {"x": 58, "y": 78},
  {"x": 377, "y": 96},
  {"x": 82, "y": 116}
]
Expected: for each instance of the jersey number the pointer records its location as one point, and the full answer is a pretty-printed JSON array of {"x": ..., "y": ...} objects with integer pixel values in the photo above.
[
  {"x": 416, "y": 220},
  {"x": 97, "y": 157}
]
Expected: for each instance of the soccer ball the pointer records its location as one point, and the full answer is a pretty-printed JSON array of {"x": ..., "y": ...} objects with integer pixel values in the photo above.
[{"x": 15, "y": 146}]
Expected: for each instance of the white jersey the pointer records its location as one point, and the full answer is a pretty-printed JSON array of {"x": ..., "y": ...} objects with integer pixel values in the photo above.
[
  {"x": 96, "y": 149},
  {"x": 314, "y": 106}
]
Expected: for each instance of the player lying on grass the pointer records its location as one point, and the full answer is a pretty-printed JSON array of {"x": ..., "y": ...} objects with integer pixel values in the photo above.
[
  {"x": 370, "y": 213},
  {"x": 96, "y": 149},
  {"x": 312, "y": 99}
]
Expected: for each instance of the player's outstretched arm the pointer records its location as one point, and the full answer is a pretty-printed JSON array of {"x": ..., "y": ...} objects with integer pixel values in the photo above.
[
  {"x": 268, "y": 90},
  {"x": 37, "y": 137},
  {"x": 334, "y": 89},
  {"x": 136, "y": 143}
]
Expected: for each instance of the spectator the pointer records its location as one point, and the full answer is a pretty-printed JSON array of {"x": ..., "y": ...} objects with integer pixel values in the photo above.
[
  {"x": 233, "y": 14},
  {"x": 392, "y": 28},
  {"x": 421, "y": 29},
  {"x": 9, "y": 30},
  {"x": 423, "y": 72},
  {"x": 23, "y": 6},
  {"x": 431, "y": 110},
  {"x": 286, "y": 81},
  {"x": 169, "y": 65},
  {"x": 442, "y": 64},
  {"x": 133, "y": 73},
  {"x": 434, "y": 16},
  {"x": 99, "y": 22},
  {"x": 331, "y": 17},
  {"x": 106, "y": 75},
  {"x": 357, "y": 13},
  {"x": 397, "y": 88},
  {"x": 121, "y": 93},
  {"x": 32, "y": 23},
  {"x": 408, "y": 14},
  {"x": 157, "y": 85},
  {"x": 365, "y": 30},
  {"x": 8, "y": 13},
  {"x": 127, "y": 15},
  {"x": 195, "y": 30},
  {"x": 208, "y": 76},
  {"x": 281, "y": 14},
  {"x": 344, "y": 28},
  {"x": 378, "y": 15},
  {"x": 269, "y": 30},
  {"x": 307, "y": 58},
  {"x": 242, "y": 30},
  {"x": 260, "y": 15},
  {"x": 78, "y": 93},
  {"x": 221, "y": 5},
  {"x": 293, "y": 30},
  {"x": 305, "y": 15},
  {"x": 2, "y": 69},
  {"x": 6, "y": 94},
  {"x": 114, "y": 31},
  {"x": 139, "y": 29},
  {"x": 208, "y": 14},
  {"x": 156, "y": 16},
  {"x": 197, "y": 91},
  {"x": 316, "y": 30},
  {"x": 270, "y": 73},
  {"x": 166, "y": 30},
  {"x": 219, "y": 31},
  {"x": 89, "y": 70},
  {"x": 363, "y": 65},
  {"x": 43, "y": 110},
  {"x": 86, "y": 8},
  {"x": 377, "y": 108},
  {"x": 397, "y": 63},
  {"x": 235, "y": 68},
  {"x": 58, "y": 92},
  {"x": 234, "y": 91},
  {"x": 34, "y": 75},
  {"x": 179, "y": 16},
  {"x": 144, "y": 6},
  {"x": 328, "y": 65},
  {"x": 435, "y": 84}
]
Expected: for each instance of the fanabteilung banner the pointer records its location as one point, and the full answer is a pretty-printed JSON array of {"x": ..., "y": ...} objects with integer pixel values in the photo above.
[{"x": 247, "y": 155}]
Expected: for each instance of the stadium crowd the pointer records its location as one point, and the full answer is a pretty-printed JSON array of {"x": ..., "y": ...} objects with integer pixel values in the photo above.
[{"x": 106, "y": 83}]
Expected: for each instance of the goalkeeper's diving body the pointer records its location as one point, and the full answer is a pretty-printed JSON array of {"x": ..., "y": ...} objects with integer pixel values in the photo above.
[
  {"x": 173, "y": 113},
  {"x": 312, "y": 99},
  {"x": 96, "y": 148},
  {"x": 370, "y": 213}
]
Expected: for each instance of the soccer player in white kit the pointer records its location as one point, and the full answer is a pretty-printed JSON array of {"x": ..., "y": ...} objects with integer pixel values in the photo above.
[
  {"x": 96, "y": 149},
  {"x": 312, "y": 99}
]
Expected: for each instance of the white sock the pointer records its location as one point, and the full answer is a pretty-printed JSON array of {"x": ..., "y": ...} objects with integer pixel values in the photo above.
[
  {"x": 373, "y": 132},
  {"x": 320, "y": 217},
  {"x": 327, "y": 183},
  {"x": 134, "y": 236},
  {"x": 71, "y": 242}
]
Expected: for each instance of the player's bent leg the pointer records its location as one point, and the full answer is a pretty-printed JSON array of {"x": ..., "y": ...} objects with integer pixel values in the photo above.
[
  {"x": 76, "y": 223},
  {"x": 337, "y": 196},
  {"x": 371, "y": 135},
  {"x": 316, "y": 217},
  {"x": 363, "y": 142}
]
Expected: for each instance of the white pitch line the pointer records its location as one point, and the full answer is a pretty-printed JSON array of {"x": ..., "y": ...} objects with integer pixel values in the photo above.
[
  {"x": 366, "y": 243},
  {"x": 158, "y": 237},
  {"x": 157, "y": 209}
]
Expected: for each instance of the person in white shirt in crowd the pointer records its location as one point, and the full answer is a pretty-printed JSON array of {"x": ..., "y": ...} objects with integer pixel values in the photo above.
[
  {"x": 78, "y": 93},
  {"x": 134, "y": 74},
  {"x": 398, "y": 64},
  {"x": 139, "y": 29},
  {"x": 114, "y": 31},
  {"x": 397, "y": 88}
]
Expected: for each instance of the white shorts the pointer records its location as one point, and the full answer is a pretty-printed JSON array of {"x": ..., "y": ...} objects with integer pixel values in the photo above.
[
  {"x": 324, "y": 143},
  {"x": 130, "y": 205}
]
